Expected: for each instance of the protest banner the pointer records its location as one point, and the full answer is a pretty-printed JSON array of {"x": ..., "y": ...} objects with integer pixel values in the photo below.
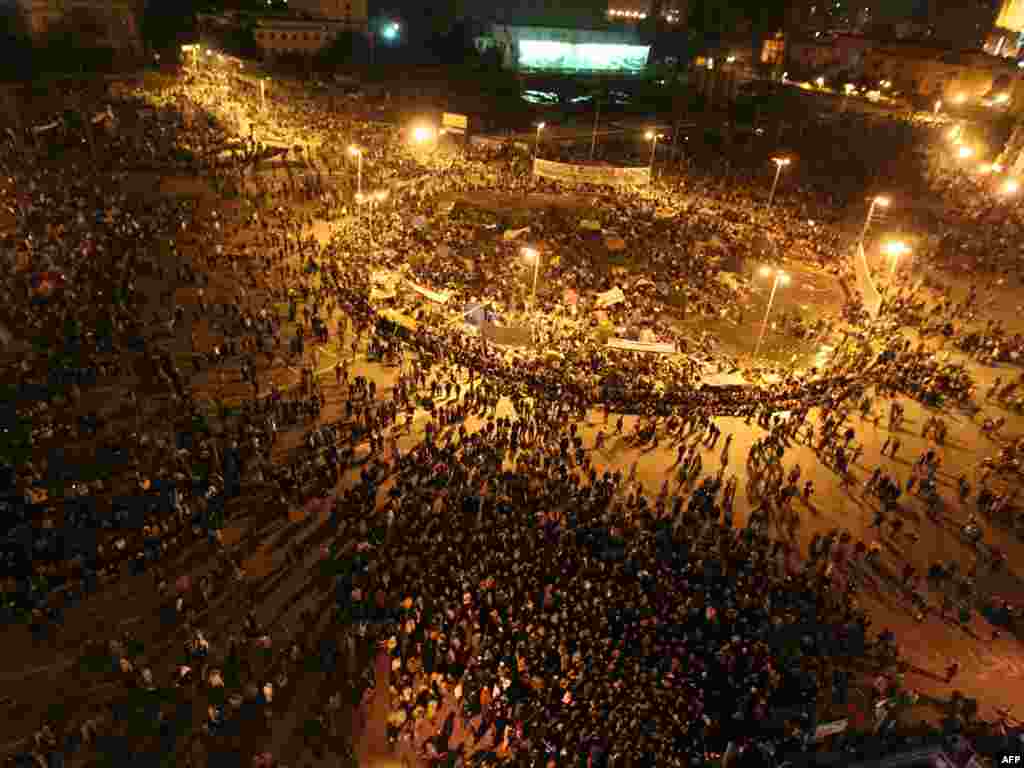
[
  {"x": 440, "y": 298},
  {"x": 607, "y": 175},
  {"x": 610, "y": 298},
  {"x": 642, "y": 346}
]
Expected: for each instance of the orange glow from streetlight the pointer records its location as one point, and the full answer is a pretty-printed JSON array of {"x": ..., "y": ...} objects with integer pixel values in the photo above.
[
  {"x": 896, "y": 248},
  {"x": 422, "y": 134}
]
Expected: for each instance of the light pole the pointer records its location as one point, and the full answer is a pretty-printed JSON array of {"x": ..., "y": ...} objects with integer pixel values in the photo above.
[
  {"x": 536, "y": 141},
  {"x": 895, "y": 250},
  {"x": 781, "y": 278},
  {"x": 533, "y": 255},
  {"x": 877, "y": 200},
  {"x": 358, "y": 154},
  {"x": 653, "y": 136},
  {"x": 263, "y": 94},
  {"x": 780, "y": 163}
]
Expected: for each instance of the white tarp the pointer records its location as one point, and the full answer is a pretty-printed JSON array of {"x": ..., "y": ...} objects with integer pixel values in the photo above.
[
  {"x": 593, "y": 174},
  {"x": 610, "y": 298},
  {"x": 440, "y": 298},
  {"x": 825, "y": 730},
  {"x": 642, "y": 346},
  {"x": 512, "y": 234}
]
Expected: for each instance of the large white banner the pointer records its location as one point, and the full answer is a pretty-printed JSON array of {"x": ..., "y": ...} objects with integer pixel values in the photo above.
[
  {"x": 592, "y": 174},
  {"x": 642, "y": 346}
]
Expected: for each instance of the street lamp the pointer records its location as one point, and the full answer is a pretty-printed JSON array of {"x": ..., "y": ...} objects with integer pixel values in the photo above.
[
  {"x": 780, "y": 163},
  {"x": 533, "y": 255},
  {"x": 781, "y": 278},
  {"x": 653, "y": 136},
  {"x": 964, "y": 152},
  {"x": 1010, "y": 187},
  {"x": 894, "y": 250},
  {"x": 536, "y": 141},
  {"x": 358, "y": 154},
  {"x": 877, "y": 200}
]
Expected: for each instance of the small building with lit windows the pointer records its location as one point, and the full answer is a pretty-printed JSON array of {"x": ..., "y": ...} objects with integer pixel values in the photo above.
[
  {"x": 311, "y": 26},
  {"x": 276, "y": 37}
]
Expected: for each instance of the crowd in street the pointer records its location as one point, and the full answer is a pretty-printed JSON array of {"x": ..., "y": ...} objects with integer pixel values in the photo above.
[{"x": 532, "y": 602}]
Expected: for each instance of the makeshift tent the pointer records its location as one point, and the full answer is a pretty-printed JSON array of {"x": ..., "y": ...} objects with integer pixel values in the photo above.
[{"x": 512, "y": 337}]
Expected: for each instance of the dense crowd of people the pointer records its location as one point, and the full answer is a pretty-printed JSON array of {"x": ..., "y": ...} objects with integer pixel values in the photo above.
[{"x": 534, "y": 601}]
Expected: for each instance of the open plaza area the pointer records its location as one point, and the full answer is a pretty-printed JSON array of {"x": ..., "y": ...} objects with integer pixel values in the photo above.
[{"x": 330, "y": 441}]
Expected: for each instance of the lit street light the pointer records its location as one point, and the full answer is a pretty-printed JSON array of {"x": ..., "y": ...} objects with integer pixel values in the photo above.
[
  {"x": 422, "y": 134},
  {"x": 1010, "y": 187},
  {"x": 964, "y": 152},
  {"x": 780, "y": 163},
  {"x": 781, "y": 278},
  {"x": 877, "y": 200},
  {"x": 894, "y": 250},
  {"x": 358, "y": 154}
]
